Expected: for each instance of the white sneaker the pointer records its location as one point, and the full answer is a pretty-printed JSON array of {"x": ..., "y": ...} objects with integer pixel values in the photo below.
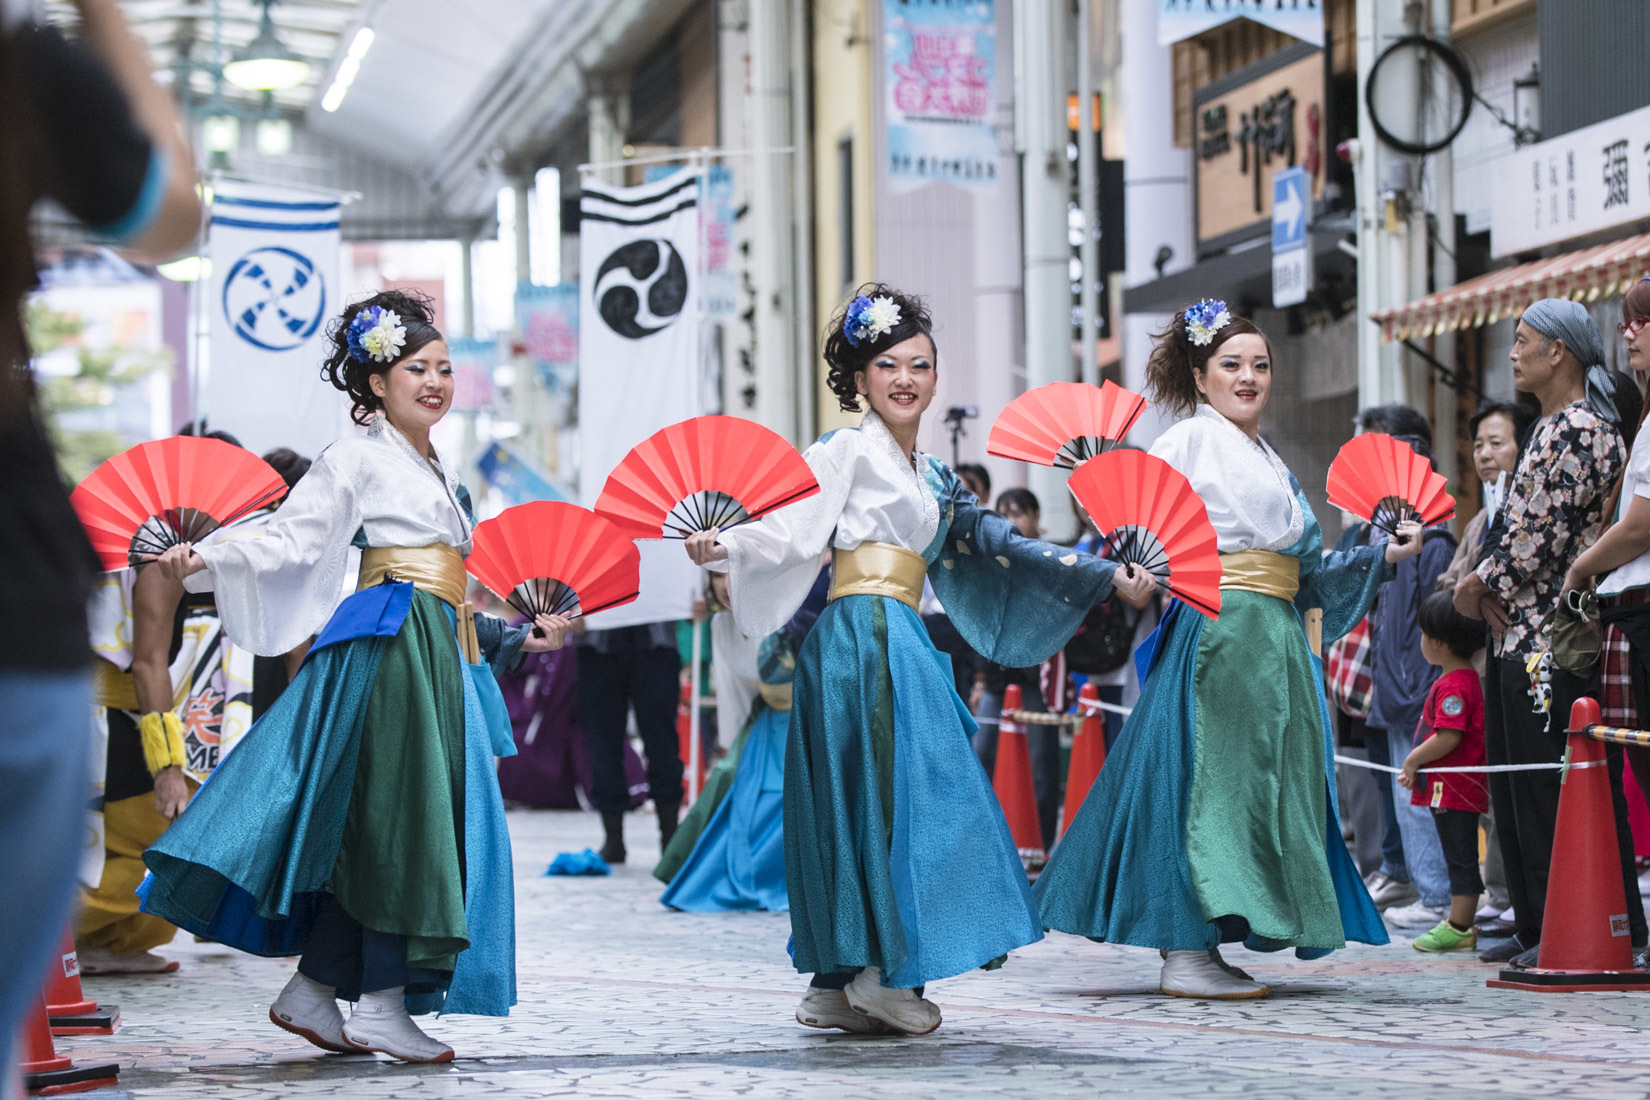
[
  {"x": 900, "y": 1009},
  {"x": 309, "y": 1010},
  {"x": 1386, "y": 892},
  {"x": 829, "y": 1008},
  {"x": 1196, "y": 974},
  {"x": 1415, "y": 915},
  {"x": 380, "y": 1024}
]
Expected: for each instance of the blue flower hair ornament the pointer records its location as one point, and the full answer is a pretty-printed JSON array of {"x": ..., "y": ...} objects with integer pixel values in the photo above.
[
  {"x": 869, "y": 319},
  {"x": 376, "y": 335},
  {"x": 1205, "y": 319}
]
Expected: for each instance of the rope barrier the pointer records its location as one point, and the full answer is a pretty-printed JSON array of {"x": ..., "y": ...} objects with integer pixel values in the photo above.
[
  {"x": 1390, "y": 770},
  {"x": 1043, "y": 718}
]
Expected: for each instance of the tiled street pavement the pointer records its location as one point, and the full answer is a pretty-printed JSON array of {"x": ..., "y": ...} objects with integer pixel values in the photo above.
[{"x": 620, "y": 998}]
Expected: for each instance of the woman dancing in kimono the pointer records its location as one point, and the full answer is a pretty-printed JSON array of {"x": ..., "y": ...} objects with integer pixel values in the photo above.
[
  {"x": 1215, "y": 820},
  {"x": 359, "y": 822},
  {"x": 899, "y": 865},
  {"x": 729, "y": 852}
]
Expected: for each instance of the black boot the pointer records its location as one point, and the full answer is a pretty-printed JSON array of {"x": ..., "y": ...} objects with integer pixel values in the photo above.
[
  {"x": 613, "y": 843},
  {"x": 668, "y": 812}
]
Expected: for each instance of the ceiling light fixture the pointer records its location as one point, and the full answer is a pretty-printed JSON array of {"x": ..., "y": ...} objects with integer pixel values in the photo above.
[
  {"x": 348, "y": 69},
  {"x": 265, "y": 63}
]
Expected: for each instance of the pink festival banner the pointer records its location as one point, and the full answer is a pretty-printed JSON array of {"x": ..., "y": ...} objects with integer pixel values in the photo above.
[{"x": 939, "y": 65}]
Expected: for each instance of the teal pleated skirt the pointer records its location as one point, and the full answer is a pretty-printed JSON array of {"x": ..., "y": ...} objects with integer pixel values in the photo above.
[{"x": 896, "y": 851}]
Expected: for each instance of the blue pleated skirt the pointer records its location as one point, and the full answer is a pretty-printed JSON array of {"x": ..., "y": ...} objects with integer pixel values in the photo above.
[
  {"x": 739, "y": 859},
  {"x": 896, "y": 851}
]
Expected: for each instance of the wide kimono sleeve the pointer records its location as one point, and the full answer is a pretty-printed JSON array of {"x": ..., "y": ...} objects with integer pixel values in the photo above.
[
  {"x": 1343, "y": 583},
  {"x": 773, "y": 562},
  {"x": 278, "y": 585},
  {"x": 1015, "y": 600}
]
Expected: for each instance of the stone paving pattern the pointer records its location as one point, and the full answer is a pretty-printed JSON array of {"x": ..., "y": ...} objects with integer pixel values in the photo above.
[{"x": 622, "y": 998}]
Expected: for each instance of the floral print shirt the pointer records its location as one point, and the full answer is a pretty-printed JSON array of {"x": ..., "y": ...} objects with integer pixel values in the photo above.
[{"x": 1552, "y": 514}]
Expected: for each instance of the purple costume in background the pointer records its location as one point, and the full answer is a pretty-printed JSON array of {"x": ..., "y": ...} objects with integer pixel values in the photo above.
[{"x": 551, "y": 764}]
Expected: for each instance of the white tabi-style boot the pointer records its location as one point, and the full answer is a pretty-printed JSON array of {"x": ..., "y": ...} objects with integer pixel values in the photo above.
[
  {"x": 829, "y": 1008},
  {"x": 900, "y": 1009},
  {"x": 380, "y": 1024},
  {"x": 309, "y": 1010},
  {"x": 1197, "y": 974}
]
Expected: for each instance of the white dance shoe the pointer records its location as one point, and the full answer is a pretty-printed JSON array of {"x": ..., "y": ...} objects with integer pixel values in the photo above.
[
  {"x": 309, "y": 1010},
  {"x": 1201, "y": 975},
  {"x": 380, "y": 1024},
  {"x": 829, "y": 1009},
  {"x": 900, "y": 1009}
]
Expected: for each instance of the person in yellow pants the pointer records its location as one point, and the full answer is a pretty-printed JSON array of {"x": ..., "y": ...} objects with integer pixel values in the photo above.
[{"x": 175, "y": 695}]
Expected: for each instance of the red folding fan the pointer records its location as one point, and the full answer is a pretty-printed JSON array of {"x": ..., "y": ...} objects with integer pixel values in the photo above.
[
  {"x": 712, "y": 471},
  {"x": 1064, "y": 423},
  {"x": 1152, "y": 517},
  {"x": 174, "y": 490},
  {"x": 1383, "y": 480},
  {"x": 549, "y": 557}
]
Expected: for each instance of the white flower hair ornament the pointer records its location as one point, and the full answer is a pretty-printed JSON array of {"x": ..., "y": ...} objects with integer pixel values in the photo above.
[
  {"x": 869, "y": 319},
  {"x": 1205, "y": 319},
  {"x": 376, "y": 335}
]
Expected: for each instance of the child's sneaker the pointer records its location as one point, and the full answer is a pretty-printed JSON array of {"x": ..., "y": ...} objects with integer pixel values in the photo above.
[{"x": 1442, "y": 937}]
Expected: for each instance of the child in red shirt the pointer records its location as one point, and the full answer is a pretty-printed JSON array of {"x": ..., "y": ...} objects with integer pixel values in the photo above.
[{"x": 1451, "y": 735}]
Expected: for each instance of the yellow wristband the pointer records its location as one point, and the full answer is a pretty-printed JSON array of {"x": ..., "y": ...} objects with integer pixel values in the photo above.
[{"x": 162, "y": 735}]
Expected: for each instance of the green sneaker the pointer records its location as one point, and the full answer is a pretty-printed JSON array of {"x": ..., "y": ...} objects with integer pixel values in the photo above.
[{"x": 1444, "y": 938}]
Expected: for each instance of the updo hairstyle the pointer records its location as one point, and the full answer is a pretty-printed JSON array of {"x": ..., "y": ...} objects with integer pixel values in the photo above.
[
  {"x": 845, "y": 361},
  {"x": 1172, "y": 368},
  {"x": 414, "y": 310}
]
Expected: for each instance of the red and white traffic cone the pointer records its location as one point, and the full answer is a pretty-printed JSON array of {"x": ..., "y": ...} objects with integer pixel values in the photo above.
[
  {"x": 1586, "y": 945},
  {"x": 1012, "y": 782},
  {"x": 68, "y": 1008},
  {"x": 1088, "y": 755}
]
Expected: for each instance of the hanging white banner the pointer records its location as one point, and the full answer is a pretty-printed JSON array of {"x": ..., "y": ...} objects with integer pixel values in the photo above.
[
  {"x": 274, "y": 287},
  {"x": 638, "y": 354},
  {"x": 1181, "y": 19}
]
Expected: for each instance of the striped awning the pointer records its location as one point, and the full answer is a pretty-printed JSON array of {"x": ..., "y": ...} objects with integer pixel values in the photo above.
[{"x": 1585, "y": 276}]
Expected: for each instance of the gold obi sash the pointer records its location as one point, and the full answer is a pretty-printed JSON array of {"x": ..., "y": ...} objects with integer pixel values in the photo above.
[
  {"x": 878, "y": 569},
  {"x": 115, "y": 689},
  {"x": 1261, "y": 571},
  {"x": 777, "y": 696},
  {"x": 437, "y": 569},
  {"x": 1272, "y": 574}
]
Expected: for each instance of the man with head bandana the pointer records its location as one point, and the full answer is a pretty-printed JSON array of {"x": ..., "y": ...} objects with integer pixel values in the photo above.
[{"x": 1551, "y": 515}]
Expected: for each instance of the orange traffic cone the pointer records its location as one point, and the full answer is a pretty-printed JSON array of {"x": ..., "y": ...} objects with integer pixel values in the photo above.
[
  {"x": 45, "y": 1073},
  {"x": 1014, "y": 787},
  {"x": 67, "y": 1006},
  {"x": 1088, "y": 755},
  {"x": 684, "y": 737},
  {"x": 1585, "y": 942}
]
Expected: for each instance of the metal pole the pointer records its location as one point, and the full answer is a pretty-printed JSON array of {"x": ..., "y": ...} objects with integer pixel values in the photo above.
[
  {"x": 802, "y": 301},
  {"x": 771, "y": 244},
  {"x": 467, "y": 280},
  {"x": 694, "y": 748},
  {"x": 1444, "y": 396},
  {"x": 1039, "y": 116},
  {"x": 1088, "y": 172}
]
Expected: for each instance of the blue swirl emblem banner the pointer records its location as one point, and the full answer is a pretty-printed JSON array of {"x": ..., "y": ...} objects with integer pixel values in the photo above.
[{"x": 274, "y": 286}]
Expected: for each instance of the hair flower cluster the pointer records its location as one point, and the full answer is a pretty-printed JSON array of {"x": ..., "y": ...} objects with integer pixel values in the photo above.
[
  {"x": 869, "y": 319},
  {"x": 377, "y": 335},
  {"x": 1205, "y": 319}
]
